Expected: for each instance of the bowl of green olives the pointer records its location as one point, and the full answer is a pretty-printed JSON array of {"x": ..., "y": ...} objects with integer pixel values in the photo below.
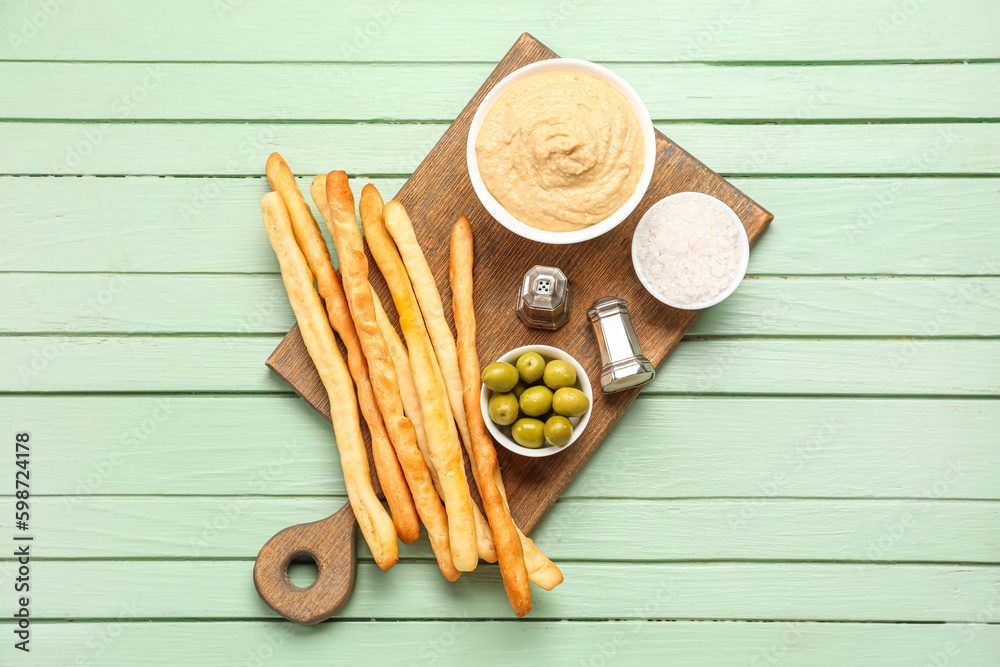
[{"x": 536, "y": 400}]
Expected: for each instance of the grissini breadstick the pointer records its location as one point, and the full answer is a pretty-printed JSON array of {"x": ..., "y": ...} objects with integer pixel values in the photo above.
[
  {"x": 484, "y": 456},
  {"x": 446, "y": 450},
  {"x": 376, "y": 526},
  {"x": 429, "y": 299},
  {"x": 445, "y": 357},
  {"x": 407, "y": 389},
  {"x": 542, "y": 571},
  {"x": 411, "y": 406},
  {"x": 313, "y": 246},
  {"x": 354, "y": 270}
]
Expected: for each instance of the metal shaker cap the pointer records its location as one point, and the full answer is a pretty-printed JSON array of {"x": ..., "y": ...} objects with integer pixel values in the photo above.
[
  {"x": 623, "y": 365},
  {"x": 543, "y": 300}
]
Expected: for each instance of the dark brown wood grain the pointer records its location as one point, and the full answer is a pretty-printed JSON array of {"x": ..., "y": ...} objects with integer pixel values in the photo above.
[
  {"x": 331, "y": 544},
  {"x": 439, "y": 191}
]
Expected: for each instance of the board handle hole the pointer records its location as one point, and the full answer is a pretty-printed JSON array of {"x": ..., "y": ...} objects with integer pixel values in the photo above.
[{"x": 303, "y": 570}]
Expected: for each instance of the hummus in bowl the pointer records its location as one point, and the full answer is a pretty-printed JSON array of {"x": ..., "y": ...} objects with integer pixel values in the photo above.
[{"x": 561, "y": 151}]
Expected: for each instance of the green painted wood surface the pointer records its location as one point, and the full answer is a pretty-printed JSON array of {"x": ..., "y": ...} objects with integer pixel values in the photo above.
[
  {"x": 238, "y": 149},
  {"x": 368, "y": 92},
  {"x": 460, "y": 641},
  {"x": 817, "y": 466},
  {"x": 815, "y": 591},
  {"x": 740, "y": 30}
]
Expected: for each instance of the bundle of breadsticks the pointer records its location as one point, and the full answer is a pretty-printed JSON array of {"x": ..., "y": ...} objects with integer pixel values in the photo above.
[{"x": 419, "y": 398}]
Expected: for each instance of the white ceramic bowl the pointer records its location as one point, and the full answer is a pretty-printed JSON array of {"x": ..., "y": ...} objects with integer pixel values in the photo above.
[
  {"x": 543, "y": 67},
  {"x": 502, "y": 433},
  {"x": 743, "y": 241}
]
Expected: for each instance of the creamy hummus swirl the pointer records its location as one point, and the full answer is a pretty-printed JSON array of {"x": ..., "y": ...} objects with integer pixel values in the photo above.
[{"x": 561, "y": 151}]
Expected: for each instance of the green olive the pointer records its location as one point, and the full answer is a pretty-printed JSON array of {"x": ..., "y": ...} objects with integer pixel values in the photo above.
[
  {"x": 559, "y": 374},
  {"x": 503, "y": 409},
  {"x": 500, "y": 377},
  {"x": 536, "y": 401},
  {"x": 519, "y": 388},
  {"x": 558, "y": 430},
  {"x": 528, "y": 433},
  {"x": 570, "y": 402},
  {"x": 531, "y": 366}
]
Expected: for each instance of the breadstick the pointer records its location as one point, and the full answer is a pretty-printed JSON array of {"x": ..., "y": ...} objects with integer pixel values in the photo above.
[
  {"x": 484, "y": 457},
  {"x": 313, "y": 246},
  {"x": 429, "y": 299},
  {"x": 376, "y": 526},
  {"x": 425, "y": 290},
  {"x": 407, "y": 389},
  {"x": 354, "y": 271},
  {"x": 439, "y": 331},
  {"x": 411, "y": 406},
  {"x": 542, "y": 571},
  {"x": 445, "y": 447}
]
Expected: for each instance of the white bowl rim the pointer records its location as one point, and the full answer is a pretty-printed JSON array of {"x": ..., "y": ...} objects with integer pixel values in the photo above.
[
  {"x": 744, "y": 243},
  {"x": 496, "y": 209},
  {"x": 582, "y": 383}
]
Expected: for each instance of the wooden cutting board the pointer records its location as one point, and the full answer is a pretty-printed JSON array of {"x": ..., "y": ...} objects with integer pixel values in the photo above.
[{"x": 439, "y": 191}]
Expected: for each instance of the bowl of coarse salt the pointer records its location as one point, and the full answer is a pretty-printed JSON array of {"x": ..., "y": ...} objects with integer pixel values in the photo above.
[{"x": 690, "y": 250}]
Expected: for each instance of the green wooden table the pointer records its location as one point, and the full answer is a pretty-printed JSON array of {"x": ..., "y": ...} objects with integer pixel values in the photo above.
[{"x": 812, "y": 479}]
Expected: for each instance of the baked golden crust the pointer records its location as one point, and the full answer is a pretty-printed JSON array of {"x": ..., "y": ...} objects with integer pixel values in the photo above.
[
  {"x": 313, "y": 246},
  {"x": 442, "y": 436},
  {"x": 354, "y": 271},
  {"x": 376, "y": 525},
  {"x": 407, "y": 387},
  {"x": 484, "y": 457},
  {"x": 541, "y": 571},
  {"x": 411, "y": 406},
  {"x": 400, "y": 228}
]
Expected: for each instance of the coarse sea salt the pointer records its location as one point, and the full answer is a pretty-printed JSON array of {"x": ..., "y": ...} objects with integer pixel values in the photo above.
[{"x": 688, "y": 250}]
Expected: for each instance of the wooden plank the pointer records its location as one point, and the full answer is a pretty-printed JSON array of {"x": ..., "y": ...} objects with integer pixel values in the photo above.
[
  {"x": 189, "y": 224},
  {"x": 405, "y": 91},
  {"x": 859, "y": 531},
  {"x": 860, "y": 226},
  {"x": 121, "y": 642},
  {"x": 754, "y": 366},
  {"x": 240, "y": 149},
  {"x": 901, "y": 367},
  {"x": 391, "y": 30},
  {"x": 665, "y": 447},
  {"x": 785, "y": 591},
  {"x": 64, "y": 363},
  {"x": 111, "y": 303},
  {"x": 877, "y": 307},
  {"x": 877, "y": 226}
]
